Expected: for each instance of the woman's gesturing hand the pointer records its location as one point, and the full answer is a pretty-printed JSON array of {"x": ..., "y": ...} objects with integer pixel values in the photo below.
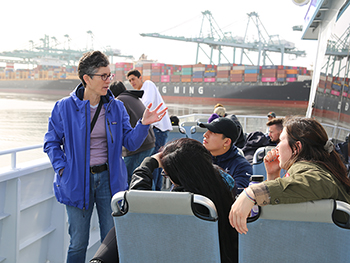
[{"x": 150, "y": 117}]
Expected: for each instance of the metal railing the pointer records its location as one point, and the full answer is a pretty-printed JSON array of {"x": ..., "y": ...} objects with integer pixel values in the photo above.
[
  {"x": 33, "y": 225},
  {"x": 13, "y": 153}
]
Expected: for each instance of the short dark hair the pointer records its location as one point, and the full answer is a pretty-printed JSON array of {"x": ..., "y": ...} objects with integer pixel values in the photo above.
[
  {"x": 276, "y": 121},
  {"x": 117, "y": 87},
  {"x": 90, "y": 62},
  {"x": 134, "y": 72}
]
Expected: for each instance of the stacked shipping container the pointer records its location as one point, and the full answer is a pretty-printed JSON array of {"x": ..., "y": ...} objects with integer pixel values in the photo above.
[{"x": 164, "y": 73}]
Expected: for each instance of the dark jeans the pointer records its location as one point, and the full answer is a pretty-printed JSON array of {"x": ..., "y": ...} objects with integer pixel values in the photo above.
[
  {"x": 134, "y": 161},
  {"x": 79, "y": 219},
  {"x": 161, "y": 138}
]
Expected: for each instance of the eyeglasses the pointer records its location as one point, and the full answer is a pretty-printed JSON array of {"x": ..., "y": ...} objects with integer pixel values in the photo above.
[{"x": 104, "y": 77}]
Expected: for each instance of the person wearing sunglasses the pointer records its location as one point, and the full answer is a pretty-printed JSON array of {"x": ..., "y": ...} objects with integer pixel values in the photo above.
[
  {"x": 188, "y": 164},
  {"x": 86, "y": 132}
]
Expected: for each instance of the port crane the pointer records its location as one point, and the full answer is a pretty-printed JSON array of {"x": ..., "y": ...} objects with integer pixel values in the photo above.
[
  {"x": 48, "y": 50},
  {"x": 337, "y": 53},
  {"x": 217, "y": 39}
]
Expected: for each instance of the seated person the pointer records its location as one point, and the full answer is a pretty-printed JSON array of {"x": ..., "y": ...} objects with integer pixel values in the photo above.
[
  {"x": 271, "y": 115},
  {"x": 221, "y": 111},
  {"x": 257, "y": 139},
  {"x": 343, "y": 148},
  {"x": 188, "y": 172},
  {"x": 241, "y": 139},
  {"x": 254, "y": 141},
  {"x": 314, "y": 171},
  {"x": 174, "y": 120},
  {"x": 218, "y": 140},
  {"x": 275, "y": 127}
]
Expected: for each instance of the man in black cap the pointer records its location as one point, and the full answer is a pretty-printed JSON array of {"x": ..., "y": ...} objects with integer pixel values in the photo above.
[{"x": 218, "y": 140}]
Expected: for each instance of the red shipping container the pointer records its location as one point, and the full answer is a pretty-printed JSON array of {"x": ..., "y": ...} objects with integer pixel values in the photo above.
[
  {"x": 221, "y": 74},
  {"x": 155, "y": 78},
  {"x": 268, "y": 75},
  {"x": 147, "y": 66},
  {"x": 268, "y": 79},
  {"x": 209, "y": 79},
  {"x": 165, "y": 78}
]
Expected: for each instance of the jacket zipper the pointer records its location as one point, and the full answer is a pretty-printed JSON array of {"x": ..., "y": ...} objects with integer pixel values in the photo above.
[
  {"x": 110, "y": 132},
  {"x": 109, "y": 129}
]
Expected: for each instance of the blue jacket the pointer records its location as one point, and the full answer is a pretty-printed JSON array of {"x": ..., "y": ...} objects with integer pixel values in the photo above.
[
  {"x": 236, "y": 165},
  {"x": 67, "y": 143}
]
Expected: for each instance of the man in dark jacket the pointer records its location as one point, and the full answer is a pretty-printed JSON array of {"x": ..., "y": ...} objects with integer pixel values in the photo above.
[
  {"x": 343, "y": 150},
  {"x": 135, "y": 109},
  {"x": 222, "y": 133}
]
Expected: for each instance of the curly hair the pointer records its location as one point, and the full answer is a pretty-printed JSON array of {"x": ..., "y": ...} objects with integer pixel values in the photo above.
[{"x": 90, "y": 62}]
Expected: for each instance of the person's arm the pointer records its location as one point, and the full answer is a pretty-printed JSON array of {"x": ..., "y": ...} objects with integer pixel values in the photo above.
[
  {"x": 53, "y": 140},
  {"x": 240, "y": 210},
  {"x": 142, "y": 176},
  {"x": 305, "y": 183}
]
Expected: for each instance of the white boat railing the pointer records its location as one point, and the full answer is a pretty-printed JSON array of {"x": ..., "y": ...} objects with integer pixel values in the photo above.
[
  {"x": 251, "y": 123},
  {"x": 13, "y": 153},
  {"x": 33, "y": 225}
]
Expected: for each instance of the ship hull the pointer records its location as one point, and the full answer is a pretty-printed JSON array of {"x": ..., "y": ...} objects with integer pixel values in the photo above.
[
  {"x": 289, "y": 95},
  {"x": 294, "y": 94},
  {"x": 50, "y": 87}
]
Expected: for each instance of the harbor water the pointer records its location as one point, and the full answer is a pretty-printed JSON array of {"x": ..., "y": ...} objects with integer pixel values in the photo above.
[{"x": 24, "y": 119}]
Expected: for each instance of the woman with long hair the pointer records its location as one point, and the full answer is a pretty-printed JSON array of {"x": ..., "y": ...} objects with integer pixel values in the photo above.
[
  {"x": 189, "y": 166},
  {"x": 314, "y": 171}
]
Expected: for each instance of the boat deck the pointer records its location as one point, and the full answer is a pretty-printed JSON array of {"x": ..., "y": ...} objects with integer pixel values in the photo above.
[{"x": 33, "y": 225}]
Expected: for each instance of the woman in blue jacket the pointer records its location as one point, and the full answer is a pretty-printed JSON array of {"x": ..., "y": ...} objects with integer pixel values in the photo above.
[{"x": 84, "y": 141}]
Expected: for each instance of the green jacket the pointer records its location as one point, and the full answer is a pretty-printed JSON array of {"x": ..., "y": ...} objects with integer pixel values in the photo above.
[{"x": 306, "y": 182}]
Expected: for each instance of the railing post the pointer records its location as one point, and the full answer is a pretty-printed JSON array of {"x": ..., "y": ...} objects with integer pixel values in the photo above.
[{"x": 13, "y": 160}]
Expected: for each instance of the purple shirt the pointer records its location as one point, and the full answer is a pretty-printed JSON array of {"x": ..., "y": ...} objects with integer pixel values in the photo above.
[{"x": 98, "y": 140}]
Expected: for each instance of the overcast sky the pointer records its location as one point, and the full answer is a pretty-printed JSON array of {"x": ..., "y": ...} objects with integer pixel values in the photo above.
[{"x": 118, "y": 24}]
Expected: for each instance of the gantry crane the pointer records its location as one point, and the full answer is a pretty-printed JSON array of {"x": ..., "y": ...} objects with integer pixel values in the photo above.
[
  {"x": 49, "y": 49},
  {"x": 217, "y": 39},
  {"x": 337, "y": 53}
]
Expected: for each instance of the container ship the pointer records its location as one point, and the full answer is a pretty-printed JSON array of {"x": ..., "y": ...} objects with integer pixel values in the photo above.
[
  {"x": 272, "y": 85},
  {"x": 280, "y": 86}
]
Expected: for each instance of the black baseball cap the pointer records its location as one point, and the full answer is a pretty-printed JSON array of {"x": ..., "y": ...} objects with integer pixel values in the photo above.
[{"x": 223, "y": 126}]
